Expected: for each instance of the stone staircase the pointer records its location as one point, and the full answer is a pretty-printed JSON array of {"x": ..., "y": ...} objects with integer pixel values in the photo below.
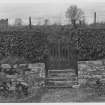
[{"x": 61, "y": 78}]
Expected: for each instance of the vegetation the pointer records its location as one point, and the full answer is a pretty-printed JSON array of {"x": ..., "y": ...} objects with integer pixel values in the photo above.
[
  {"x": 33, "y": 45},
  {"x": 74, "y": 14},
  {"x": 29, "y": 45}
]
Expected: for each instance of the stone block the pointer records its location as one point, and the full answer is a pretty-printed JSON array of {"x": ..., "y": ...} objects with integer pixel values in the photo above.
[
  {"x": 32, "y": 66},
  {"x": 82, "y": 81},
  {"x": 5, "y": 66},
  {"x": 97, "y": 62}
]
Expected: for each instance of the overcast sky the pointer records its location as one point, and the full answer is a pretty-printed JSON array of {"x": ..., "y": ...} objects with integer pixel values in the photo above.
[{"x": 51, "y": 9}]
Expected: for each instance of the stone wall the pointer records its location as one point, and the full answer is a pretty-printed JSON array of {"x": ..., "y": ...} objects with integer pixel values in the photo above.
[
  {"x": 32, "y": 74},
  {"x": 90, "y": 71}
]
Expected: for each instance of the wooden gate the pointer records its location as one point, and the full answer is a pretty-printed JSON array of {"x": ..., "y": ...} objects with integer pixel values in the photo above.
[{"x": 63, "y": 68}]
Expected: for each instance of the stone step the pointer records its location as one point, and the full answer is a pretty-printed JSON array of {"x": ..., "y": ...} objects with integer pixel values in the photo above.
[
  {"x": 61, "y": 71},
  {"x": 61, "y": 79},
  {"x": 61, "y": 84},
  {"x": 61, "y": 75},
  {"x": 58, "y": 86}
]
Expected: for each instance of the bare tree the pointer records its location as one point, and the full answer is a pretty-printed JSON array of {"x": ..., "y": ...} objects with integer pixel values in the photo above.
[
  {"x": 18, "y": 22},
  {"x": 74, "y": 14},
  {"x": 46, "y": 22}
]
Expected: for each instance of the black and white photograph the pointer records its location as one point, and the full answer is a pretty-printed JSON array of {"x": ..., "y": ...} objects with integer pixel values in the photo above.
[{"x": 52, "y": 51}]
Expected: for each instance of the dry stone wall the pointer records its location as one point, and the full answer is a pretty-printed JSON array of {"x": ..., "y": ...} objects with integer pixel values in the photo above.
[
  {"x": 90, "y": 71},
  {"x": 34, "y": 77}
]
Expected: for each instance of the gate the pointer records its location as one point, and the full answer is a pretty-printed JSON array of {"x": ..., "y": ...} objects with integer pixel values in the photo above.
[{"x": 62, "y": 66}]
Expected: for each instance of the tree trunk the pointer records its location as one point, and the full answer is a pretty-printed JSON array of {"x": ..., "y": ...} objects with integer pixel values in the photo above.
[{"x": 74, "y": 23}]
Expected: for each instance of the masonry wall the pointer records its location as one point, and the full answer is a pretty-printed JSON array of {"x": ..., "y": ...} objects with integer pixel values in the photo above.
[{"x": 90, "y": 71}]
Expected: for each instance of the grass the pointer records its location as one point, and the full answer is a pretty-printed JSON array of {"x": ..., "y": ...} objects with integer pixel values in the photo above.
[
  {"x": 44, "y": 95},
  {"x": 71, "y": 95},
  {"x": 35, "y": 97}
]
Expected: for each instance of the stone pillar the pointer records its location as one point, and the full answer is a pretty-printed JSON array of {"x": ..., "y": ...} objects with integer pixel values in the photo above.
[
  {"x": 94, "y": 17},
  {"x": 30, "y": 25}
]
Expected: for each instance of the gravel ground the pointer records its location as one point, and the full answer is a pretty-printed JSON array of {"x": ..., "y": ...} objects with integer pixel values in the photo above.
[
  {"x": 71, "y": 95},
  {"x": 60, "y": 95},
  {"x": 34, "y": 97}
]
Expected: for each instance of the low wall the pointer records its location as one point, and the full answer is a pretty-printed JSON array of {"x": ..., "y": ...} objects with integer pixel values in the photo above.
[
  {"x": 90, "y": 71},
  {"x": 33, "y": 74}
]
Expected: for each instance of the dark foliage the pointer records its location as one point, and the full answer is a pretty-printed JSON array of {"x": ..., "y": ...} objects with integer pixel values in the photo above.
[
  {"x": 28, "y": 44},
  {"x": 33, "y": 44}
]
